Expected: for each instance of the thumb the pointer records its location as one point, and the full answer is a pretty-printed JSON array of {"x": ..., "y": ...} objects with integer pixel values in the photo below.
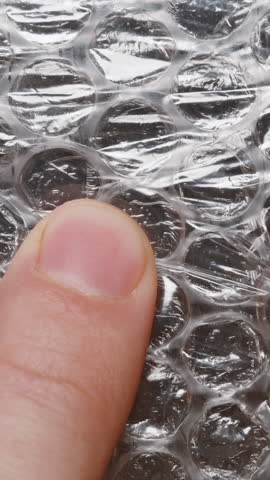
[{"x": 76, "y": 311}]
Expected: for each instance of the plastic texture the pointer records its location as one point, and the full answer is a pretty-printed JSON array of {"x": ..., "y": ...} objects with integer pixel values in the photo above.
[{"x": 161, "y": 107}]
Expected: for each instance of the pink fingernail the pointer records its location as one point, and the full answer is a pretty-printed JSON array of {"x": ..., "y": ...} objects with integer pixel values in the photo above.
[{"x": 93, "y": 248}]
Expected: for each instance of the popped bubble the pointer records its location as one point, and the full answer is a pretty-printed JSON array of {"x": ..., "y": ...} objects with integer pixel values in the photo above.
[
  {"x": 158, "y": 466},
  {"x": 224, "y": 353},
  {"x": 228, "y": 443},
  {"x": 161, "y": 404},
  {"x": 172, "y": 311}
]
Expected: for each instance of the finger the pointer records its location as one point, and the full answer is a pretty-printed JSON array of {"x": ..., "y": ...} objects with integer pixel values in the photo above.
[{"x": 76, "y": 312}]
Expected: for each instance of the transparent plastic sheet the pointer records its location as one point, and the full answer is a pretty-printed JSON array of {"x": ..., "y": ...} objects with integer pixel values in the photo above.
[{"x": 163, "y": 109}]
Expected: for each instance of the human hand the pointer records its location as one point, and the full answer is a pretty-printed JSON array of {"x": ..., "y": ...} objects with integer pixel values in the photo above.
[{"x": 76, "y": 311}]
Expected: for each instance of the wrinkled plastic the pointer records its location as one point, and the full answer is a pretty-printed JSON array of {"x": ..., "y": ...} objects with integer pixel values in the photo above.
[{"x": 161, "y": 108}]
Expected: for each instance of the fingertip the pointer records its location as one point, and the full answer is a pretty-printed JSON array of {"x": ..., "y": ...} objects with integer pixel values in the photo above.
[{"x": 85, "y": 283}]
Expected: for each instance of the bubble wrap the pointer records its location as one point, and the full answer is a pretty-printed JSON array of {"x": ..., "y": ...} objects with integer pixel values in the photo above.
[{"x": 162, "y": 108}]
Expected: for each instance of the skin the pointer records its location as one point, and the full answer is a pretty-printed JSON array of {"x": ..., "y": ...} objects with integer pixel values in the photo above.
[{"x": 72, "y": 342}]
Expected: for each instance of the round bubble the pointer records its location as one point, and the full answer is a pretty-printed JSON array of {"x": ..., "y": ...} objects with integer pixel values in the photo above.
[
  {"x": 49, "y": 22},
  {"x": 162, "y": 224},
  {"x": 209, "y": 19},
  {"x": 55, "y": 176},
  {"x": 133, "y": 39},
  {"x": 212, "y": 92},
  {"x": 135, "y": 138},
  {"x": 228, "y": 444},
  {"x": 52, "y": 97},
  {"x": 224, "y": 353}
]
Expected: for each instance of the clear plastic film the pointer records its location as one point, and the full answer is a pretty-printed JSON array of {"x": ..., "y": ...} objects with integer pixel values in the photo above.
[{"x": 161, "y": 108}]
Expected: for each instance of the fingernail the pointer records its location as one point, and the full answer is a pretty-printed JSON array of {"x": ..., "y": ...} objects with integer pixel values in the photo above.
[{"x": 93, "y": 248}]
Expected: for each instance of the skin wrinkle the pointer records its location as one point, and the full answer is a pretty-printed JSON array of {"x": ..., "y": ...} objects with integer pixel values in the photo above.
[
  {"x": 84, "y": 435},
  {"x": 96, "y": 377},
  {"x": 26, "y": 387},
  {"x": 67, "y": 313},
  {"x": 83, "y": 323},
  {"x": 93, "y": 378},
  {"x": 33, "y": 416},
  {"x": 88, "y": 315},
  {"x": 61, "y": 378}
]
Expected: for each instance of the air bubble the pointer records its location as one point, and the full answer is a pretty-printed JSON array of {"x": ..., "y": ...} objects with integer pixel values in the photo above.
[
  {"x": 212, "y": 92},
  {"x": 7, "y": 143},
  {"x": 162, "y": 224},
  {"x": 9, "y": 234},
  {"x": 265, "y": 220},
  {"x": 134, "y": 40},
  {"x": 209, "y": 19},
  {"x": 51, "y": 97},
  {"x": 260, "y": 41},
  {"x": 5, "y": 52},
  {"x": 135, "y": 138},
  {"x": 161, "y": 404},
  {"x": 55, "y": 176},
  {"x": 216, "y": 183},
  {"x": 228, "y": 444},
  {"x": 50, "y": 22},
  {"x": 224, "y": 353},
  {"x": 222, "y": 269},
  {"x": 172, "y": 312},
  {"x": 152, "y": 466},
  {"x": 262, "y": 132}
]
